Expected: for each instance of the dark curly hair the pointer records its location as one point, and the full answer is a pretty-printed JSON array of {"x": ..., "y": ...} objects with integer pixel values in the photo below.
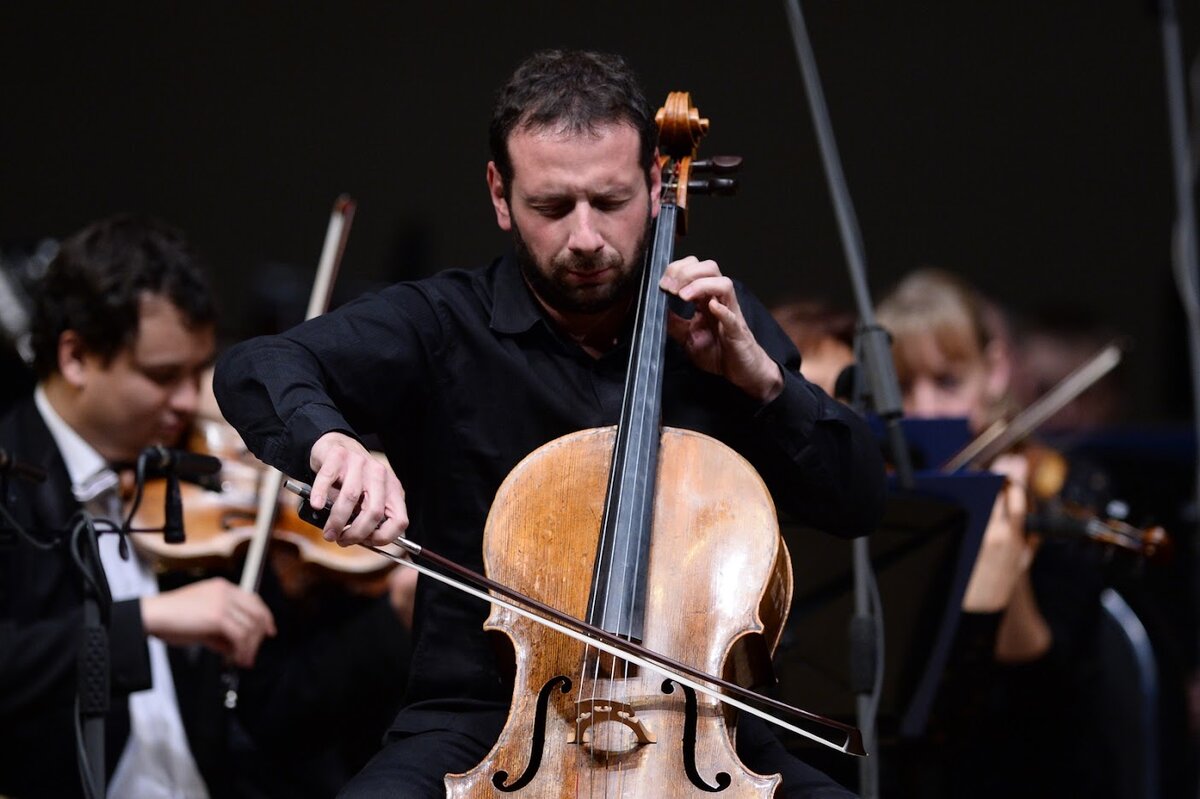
[
  {"x": 95, "y": 282},
  {"x": 573, "y": 91}
]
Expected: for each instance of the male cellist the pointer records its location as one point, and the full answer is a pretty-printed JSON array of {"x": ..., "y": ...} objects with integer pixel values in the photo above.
[{"x": 463, "y": 374}]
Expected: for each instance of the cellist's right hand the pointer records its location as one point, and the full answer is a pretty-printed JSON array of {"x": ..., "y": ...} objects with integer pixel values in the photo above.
[{"x": 367, "y": 489}]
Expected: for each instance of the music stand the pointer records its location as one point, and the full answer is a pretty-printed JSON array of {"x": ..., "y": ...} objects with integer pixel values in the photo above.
[
  {"x": 931, "y": 442},
  {"x": 922, "y": 556}
]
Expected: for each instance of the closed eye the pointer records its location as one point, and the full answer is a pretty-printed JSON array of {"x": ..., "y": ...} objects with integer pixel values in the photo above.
[
  {"x": 609, "y": 204},
  {"x": 552, "y": 210}
]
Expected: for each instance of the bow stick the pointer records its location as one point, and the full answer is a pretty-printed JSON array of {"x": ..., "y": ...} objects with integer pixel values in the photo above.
[
  {"x": 1002, "y": 435},
  {"x": 599, "y": 638},
  {"x": 272, "y": 479}
]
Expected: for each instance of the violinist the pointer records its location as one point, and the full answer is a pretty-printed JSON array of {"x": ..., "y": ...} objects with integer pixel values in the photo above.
[
  {"x": 122, "y": 329},
  {"x": 1013, "y": 709},
  {"x": 464, "y": 374}
]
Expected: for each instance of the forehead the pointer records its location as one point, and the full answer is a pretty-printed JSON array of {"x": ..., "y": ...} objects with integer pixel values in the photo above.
[
  {"x": 550, "y": 160},
  {"x": 166, "y": 336},
  {"x": 933, "y": 351}
]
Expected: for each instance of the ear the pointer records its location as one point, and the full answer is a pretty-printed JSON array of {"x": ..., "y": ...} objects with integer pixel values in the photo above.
[
  {"x": 655, "y": 185},
  {"x": 72, "y": 357},
  {"x": 499, "y": 202}
]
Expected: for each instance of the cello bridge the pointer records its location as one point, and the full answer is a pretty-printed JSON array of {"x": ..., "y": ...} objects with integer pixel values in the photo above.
[{"x": 591, "y": 712}]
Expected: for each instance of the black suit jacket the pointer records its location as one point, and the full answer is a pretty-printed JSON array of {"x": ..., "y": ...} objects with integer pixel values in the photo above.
[
  {"x": 41, "y": 601},
  {"x": 279, "y": 743}
]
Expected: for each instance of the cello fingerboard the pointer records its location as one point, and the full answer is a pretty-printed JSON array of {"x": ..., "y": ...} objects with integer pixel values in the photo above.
[{"x": 618, "y": 599}]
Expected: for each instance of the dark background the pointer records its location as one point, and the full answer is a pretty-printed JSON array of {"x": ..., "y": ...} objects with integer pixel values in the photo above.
[{"x": 1022, "y": 144}]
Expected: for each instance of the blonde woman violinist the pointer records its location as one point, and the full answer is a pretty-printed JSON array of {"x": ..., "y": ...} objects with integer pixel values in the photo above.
[{"x": 1013, "y": 709}]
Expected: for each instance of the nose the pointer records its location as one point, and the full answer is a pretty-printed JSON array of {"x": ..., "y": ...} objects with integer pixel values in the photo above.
[
  {"x": 585, "y": 239},
  {"x": 185, "y": 397},
  {"x": 921, "y": 400}
]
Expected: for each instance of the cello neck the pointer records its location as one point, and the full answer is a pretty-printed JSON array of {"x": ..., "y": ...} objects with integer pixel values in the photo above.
[{"x": 617, "y": 603}]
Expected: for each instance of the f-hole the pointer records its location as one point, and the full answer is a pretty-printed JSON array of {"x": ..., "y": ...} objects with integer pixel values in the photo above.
[
  {"x": 691, "y": 715},
  {"x": 539, "y": 738}
]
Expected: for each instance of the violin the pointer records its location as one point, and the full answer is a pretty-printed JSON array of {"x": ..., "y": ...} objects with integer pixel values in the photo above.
[
  {"x": 220, "y": 519},
  {"x": 1050, "y": 513},
  {"x": 237, "y": 516}
]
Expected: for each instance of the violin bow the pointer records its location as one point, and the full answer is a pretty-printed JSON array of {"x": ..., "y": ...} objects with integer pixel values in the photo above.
[
  {"x": 271, "y": 482},
  {"x": 272, "y": 479},
  {"x": 851, "y": 742},
  {"x": 1002, "y": 435}
]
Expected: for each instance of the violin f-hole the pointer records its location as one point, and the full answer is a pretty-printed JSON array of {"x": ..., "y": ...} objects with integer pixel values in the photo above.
[
  {"x": 539, "y": 737},
  {"x": 691, "y": 713}
]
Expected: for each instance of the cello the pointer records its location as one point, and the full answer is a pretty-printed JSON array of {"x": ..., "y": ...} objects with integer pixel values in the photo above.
[{"x": 660, "y": 536}]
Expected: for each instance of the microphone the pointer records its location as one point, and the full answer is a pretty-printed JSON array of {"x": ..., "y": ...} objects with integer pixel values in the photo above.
[
  {"x": 174, "y": 464},
  {"x": 19, "y": 468},
  {"x": 188, "y": 465},
  {"x": 173, "y": 532}
]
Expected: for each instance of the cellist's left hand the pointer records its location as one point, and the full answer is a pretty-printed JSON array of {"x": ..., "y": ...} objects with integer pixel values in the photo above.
[{"x": 717, "y": 338}]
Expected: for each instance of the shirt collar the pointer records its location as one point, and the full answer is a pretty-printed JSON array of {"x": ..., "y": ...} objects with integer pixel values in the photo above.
[
  {"x": 90, "y": 473},
  {"x": 514, "y": 308}
]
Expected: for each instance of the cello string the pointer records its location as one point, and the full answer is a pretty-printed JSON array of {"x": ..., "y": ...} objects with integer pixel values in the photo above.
[
  {"x": 619, "y": 515},
  {"x": 636, "y": 380},
  {"x": 644, "y": 420}
]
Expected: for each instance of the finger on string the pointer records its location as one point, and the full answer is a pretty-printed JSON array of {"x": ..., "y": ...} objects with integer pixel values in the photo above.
[{"x": 717, "y": 286}]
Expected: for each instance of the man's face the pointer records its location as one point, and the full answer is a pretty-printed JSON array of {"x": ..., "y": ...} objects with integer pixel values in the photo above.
[
  {"x": 147, "y": 393},
  {"x": 579, "y": 209}
]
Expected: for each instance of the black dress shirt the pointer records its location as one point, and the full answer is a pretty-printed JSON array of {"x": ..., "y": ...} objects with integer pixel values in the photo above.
[{"x": 461, "y": 376}]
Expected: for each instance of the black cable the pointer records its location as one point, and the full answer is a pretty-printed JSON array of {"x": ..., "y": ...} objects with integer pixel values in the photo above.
[
  {"x": 82, "y": 521},
  {"x": 140, "y": 474},
  {"x": 82, "y": 760},
  {"x": 94, "y": 661}
]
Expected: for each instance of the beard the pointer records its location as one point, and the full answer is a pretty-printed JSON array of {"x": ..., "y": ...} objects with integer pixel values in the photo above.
[{"x": 549, "y": 281}]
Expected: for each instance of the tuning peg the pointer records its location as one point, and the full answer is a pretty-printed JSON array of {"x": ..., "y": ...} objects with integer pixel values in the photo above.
[
  {"x": 718, "y": 164},
  {"x": 719, "y": 186}
]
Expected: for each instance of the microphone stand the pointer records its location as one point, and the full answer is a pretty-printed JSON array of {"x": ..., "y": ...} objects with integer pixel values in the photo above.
[
  {"x": 876, "y": 387},
  {"x": 1184, "y": 258}
]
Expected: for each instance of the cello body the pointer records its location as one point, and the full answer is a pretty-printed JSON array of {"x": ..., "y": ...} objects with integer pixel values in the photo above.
[{"x": 721, "y": 585}]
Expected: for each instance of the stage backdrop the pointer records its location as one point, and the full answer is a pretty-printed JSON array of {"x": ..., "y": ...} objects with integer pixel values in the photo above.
[{"x": 1021, "y": 144}]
